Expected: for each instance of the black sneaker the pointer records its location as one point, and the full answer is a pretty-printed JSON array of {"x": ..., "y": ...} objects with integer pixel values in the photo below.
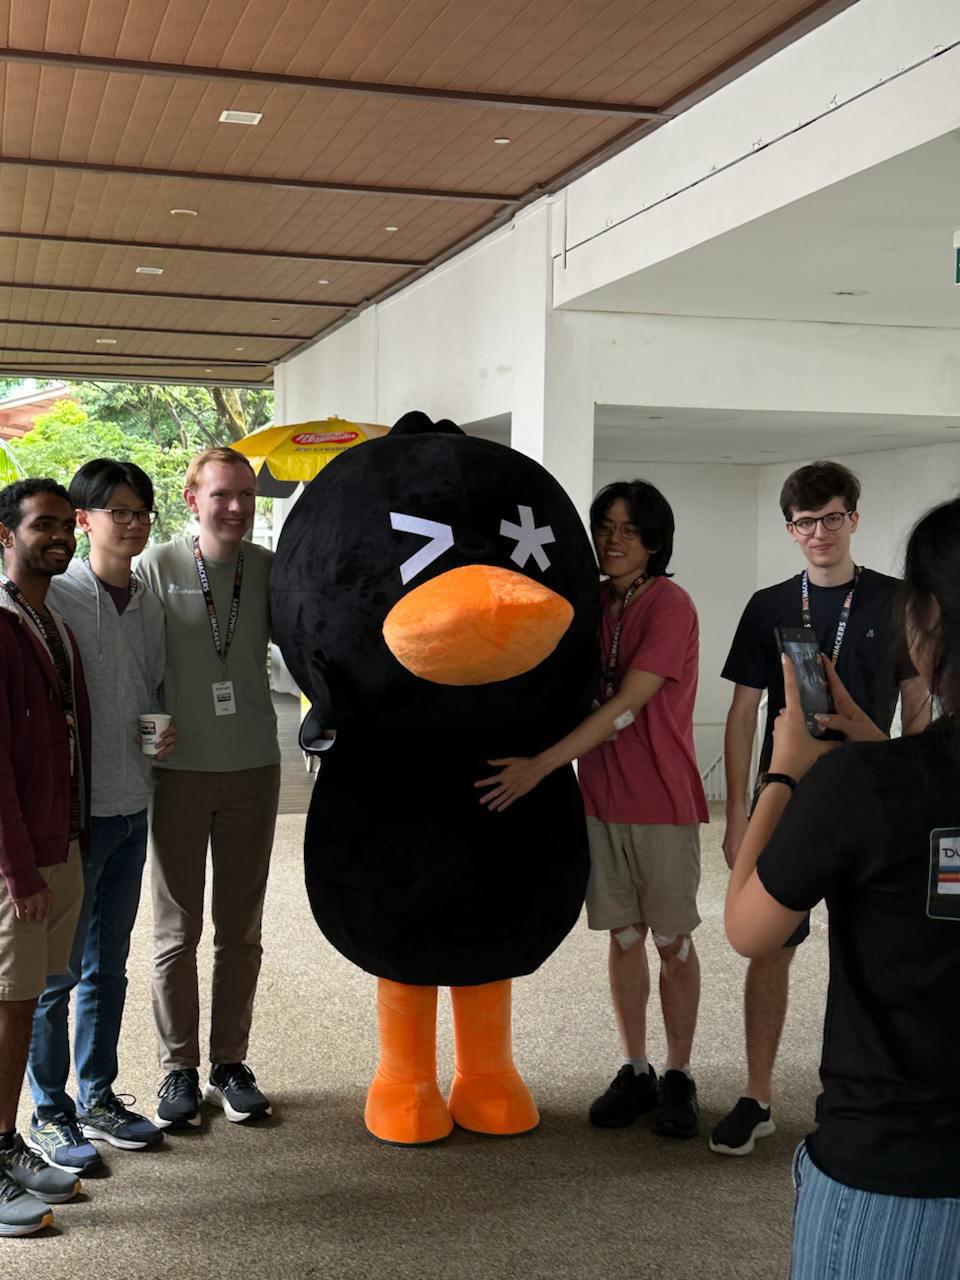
[
  {"x": 47, "y": 1182},
  {"x": 112, "y": 1121},
  {"x": 737, "y": 1131},
  {"x": 628, "y": 1097},
  {"x": 179, "y": 1100},
  {"x": 678, "y": 1113},
  {"x": 232, "y": 1086}
]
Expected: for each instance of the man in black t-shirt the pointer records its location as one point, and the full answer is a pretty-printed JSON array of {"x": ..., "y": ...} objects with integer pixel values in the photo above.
[{"x": 851, "y": 611}]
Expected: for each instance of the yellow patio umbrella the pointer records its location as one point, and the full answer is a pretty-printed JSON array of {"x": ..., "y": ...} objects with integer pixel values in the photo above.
[{"x": 284, "y": 457}]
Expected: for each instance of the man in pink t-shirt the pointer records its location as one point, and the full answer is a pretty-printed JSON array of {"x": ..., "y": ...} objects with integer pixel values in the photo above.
[{"x": 644, "y": 801}]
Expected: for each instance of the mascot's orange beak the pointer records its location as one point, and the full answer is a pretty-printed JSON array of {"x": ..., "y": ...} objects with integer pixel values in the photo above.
[{"x": 476, "y": 625}]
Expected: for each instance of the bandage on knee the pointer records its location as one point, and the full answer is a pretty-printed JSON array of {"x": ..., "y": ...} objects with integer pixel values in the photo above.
[
  {"x": 628, "y": 937},
  {"x": 664, "y": 940}
]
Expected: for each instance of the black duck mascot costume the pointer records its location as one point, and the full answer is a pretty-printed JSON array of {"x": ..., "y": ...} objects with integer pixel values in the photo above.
[{"x": 435, "y": 597}]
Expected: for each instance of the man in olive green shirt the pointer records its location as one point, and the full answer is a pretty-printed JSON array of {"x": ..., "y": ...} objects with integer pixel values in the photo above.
[{"x": 220, "y": 787}]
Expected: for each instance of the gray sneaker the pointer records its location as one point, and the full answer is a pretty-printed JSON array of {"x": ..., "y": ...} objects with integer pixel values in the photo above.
[
  {"x": 21, "y": 1214},
  {"x": 47, "y": 1182}
]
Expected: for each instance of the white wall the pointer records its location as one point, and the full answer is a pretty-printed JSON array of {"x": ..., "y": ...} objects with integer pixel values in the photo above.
[
  {"x": 873, "y": 82},
  {"x": 899, "y": 485},
  {"x": 714, "y": 559}
]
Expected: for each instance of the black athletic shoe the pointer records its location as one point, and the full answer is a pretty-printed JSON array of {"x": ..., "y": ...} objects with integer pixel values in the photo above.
[
  {"x": 678, "y": 1113},
  {"x": 233, "y": 1086},
  {"x": 736, "y": 1133},
  {"x": 628, "y": 1097},
  {"x": 179, "y": 1100}
]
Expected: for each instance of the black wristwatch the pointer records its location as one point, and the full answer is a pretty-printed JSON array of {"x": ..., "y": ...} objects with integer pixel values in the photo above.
[{"x": 778, "y": 777}]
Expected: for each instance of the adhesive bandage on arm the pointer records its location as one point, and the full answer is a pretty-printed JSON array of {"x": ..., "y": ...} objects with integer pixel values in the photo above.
[{"x": 623, "y": 721}]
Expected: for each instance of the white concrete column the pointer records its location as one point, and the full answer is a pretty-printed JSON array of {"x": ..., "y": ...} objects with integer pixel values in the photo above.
[{"x": 553, "y": 411}]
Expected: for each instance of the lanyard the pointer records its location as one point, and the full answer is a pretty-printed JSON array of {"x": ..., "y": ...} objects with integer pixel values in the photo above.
[
  {"x": 844, "y": 612},
  {"x": 610, "y": 670},
  {"x": 222, "y": 649},
  {"x": 66, "y": 693}
]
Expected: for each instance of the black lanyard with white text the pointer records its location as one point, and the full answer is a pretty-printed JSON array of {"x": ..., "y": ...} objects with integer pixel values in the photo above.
[
  {"x": 63, "y": 678},
  {"x": 610, "y": 670},
  {"x": 222, "y": 648},
  {"x": 844, "y": 612}
]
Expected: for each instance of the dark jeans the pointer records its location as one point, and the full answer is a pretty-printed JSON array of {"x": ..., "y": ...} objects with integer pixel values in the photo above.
[{"x": 98, "y": 969}]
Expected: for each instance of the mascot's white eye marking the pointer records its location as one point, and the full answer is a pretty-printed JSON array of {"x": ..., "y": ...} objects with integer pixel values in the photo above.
[
  {"x": 530, "y": 539},
  {"x": 441, "y": 540}
]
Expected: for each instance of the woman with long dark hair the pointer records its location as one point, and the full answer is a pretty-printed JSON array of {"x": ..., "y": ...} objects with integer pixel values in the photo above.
[{"x": 874, "y": 830}]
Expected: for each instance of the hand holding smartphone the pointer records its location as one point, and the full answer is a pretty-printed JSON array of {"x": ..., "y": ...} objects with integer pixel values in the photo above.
[{"x": 800, "y": 645}]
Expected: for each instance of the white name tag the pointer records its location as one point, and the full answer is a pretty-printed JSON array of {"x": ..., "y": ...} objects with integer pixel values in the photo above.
[{"x": 224, "y": 701}]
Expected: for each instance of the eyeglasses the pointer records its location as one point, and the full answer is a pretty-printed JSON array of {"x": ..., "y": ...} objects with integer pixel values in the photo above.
[
  {"x": 628, "y": 532},
  {"x": 123, "y": 515},
  {"x": 806, "y": 525}
]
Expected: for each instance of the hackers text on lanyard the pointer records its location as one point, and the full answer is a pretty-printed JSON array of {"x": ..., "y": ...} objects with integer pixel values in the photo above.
[
  {"x": 220, "y": 643},
  {"x": 610, "y": 670},
  {"x": 844, "y": 612}
]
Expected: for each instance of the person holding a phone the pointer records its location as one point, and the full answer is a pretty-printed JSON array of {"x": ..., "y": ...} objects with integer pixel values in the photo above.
[
  {"x": 873, "y": 829},
  {"x": 849, "y": 611}
]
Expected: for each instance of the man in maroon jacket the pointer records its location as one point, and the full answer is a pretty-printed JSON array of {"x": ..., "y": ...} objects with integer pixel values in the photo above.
[{"x": 44, "y": 814}]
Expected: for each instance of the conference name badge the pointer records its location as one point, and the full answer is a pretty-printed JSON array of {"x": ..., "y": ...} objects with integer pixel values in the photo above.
[
  {"x": 943, "y": 896},
  {"x": 225, "y": 702}
]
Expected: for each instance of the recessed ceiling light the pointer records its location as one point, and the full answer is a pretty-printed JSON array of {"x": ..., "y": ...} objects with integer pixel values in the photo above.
[
  {"x": 391, "y": 228},
  {"x": 208, "y": 371},
  {"x": 503, "y": 142},
  {"x": 241, "y": 117},
  {"x": 275, "y": 320},
  {"x": 149, "y": 271},
  {"x": 107, "y": 342},
  {"x": 239, "y": 348},
  {"x": 323, "y": 282},
  {"x": 186, "y": 213},
  {"x": 850, "y": 293}
]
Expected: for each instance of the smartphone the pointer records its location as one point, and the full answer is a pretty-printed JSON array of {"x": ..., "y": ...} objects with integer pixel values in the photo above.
[{"x": 801, "y": 647}]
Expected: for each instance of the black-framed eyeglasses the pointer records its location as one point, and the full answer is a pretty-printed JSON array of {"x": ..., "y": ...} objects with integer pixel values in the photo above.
[
  {"x": 806, "y": 525},
  {"x": 123, "y": 515},
  {"x": 628, "y": 532}
]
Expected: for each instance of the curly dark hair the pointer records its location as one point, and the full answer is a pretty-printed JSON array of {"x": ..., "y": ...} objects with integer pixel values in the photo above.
[
  {"x": 12, "y": 497},
  {"x": 811, "y": 487}
]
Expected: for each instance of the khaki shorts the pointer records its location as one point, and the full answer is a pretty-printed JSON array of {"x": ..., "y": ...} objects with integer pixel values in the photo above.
[
  {"x": 31, "y": 950},
  {"x": 643, "y": 875}
]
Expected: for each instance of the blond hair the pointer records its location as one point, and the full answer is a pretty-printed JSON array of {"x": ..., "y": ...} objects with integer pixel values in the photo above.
[{"x": 219, "y": 453}]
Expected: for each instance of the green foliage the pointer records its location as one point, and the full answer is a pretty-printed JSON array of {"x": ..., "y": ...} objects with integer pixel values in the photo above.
[
  {"x": 8, "y": 468},
  {"x": 66, "y": 437},
  {"x": 159, "y": 428}
]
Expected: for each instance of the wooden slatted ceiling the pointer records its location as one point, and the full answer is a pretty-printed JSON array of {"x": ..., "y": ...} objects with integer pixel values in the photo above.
[
  {"x": 58, "y": 294},
  {"x": 618, "y": 51}
]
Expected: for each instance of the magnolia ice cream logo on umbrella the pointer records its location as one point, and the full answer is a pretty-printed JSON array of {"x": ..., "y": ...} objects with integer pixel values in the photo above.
[{"x": 325, "y": 437}]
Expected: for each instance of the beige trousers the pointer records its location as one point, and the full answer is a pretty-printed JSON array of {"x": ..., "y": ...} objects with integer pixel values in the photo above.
[{"x": 235, "y": 813}]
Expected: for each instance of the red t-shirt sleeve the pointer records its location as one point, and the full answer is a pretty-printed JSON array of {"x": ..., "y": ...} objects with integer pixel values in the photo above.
[{"x": 660, "y": 641}]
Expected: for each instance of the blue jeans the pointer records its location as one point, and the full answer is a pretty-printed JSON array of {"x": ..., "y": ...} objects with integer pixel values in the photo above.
[
  {"x": 840, "y": 1233},
  {"x": 98, "y": 969}
]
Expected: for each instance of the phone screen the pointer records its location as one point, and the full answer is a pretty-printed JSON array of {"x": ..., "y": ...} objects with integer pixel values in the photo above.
[{"x": 811, "y": 679}]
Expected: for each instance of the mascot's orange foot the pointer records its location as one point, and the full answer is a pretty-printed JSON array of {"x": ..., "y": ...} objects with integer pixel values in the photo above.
[
  {"x": 407, "y": 1113},
  {"x": 500, "y": 1105}
]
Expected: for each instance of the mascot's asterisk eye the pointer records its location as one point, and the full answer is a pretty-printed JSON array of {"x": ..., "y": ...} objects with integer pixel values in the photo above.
[
  {"x": 530, "y": 540},
  {"x": 441, "y": 540}
]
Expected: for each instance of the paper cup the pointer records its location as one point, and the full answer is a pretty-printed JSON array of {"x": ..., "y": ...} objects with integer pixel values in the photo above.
[{"x": 152, "y": 725}]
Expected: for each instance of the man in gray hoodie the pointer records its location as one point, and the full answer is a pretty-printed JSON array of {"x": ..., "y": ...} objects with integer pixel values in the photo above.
[{"x": 119, "y": 627}]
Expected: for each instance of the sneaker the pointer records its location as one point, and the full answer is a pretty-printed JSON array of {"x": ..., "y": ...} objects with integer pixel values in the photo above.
[
  {"x": 179, "y": 1100},
  {"x": 678, "y": 1113},
  {"x": 41, "y": 1180},
  {"x": 21, "y": 1214},
  {"x": 60, "y": 1142},
  {"x": 110, "y": 1121},
  {"x": 736, "y": 1133},
  {"x": 628, "y": 1097},
  {"x": 232, "y": 1086}
]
